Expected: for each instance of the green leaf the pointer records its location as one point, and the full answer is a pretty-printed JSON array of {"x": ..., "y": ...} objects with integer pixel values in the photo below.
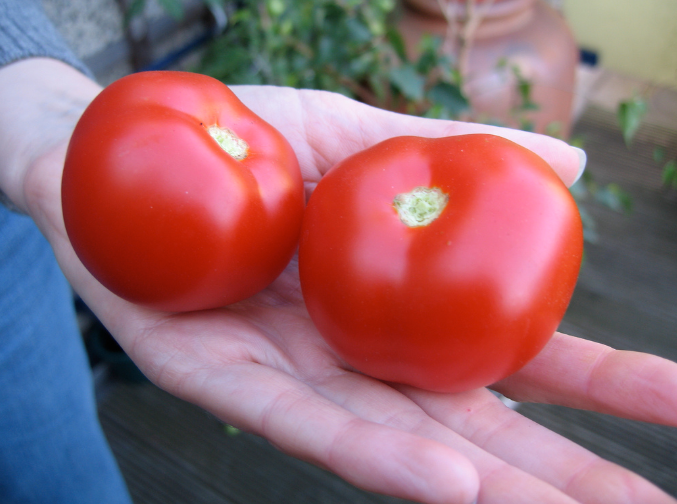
[
  {"x": 173, "y": 7},
  {"x": 524, "y": 88},
  {"x": 589, "y": 226},
  {"x": 579, "y": 190},
  {"x": 554, "y": 129},
  {"x": 134, "y": 9},
  {"x": 429, "y": 49},
  {"x": 577, "y": 141},
  {"x": 408, "y": 81},
  {"x": 659, "y": 154},
  {"x": 214, "y": 3},
  {"x": 397, "y": 42},
  {"x": 358, "y": 31},
  {"x": 379, "y": 86},
  {"x": 275, "y": 7},
  {"x": 670, "y": 173},
  {"x": 630, "y": 115},
  {"x": 527, "y": 125},
  {"x": 230, "y": 430},
  {"x": 450, "y": 97},
  {"x": 614, "y": 197}
]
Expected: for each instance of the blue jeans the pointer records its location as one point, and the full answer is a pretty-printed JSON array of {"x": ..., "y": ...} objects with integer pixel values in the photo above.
[{"x": 52, "y": 448}]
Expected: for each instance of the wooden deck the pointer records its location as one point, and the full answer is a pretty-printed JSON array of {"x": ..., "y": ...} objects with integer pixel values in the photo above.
[{"x": 173, "y": 452}]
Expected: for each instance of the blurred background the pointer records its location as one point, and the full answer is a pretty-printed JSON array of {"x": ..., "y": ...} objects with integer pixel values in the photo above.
[{"x": 600, "y": 74}]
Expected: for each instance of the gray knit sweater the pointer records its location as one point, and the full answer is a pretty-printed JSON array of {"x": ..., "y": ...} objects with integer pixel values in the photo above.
[{"x": 25, "y": 31}]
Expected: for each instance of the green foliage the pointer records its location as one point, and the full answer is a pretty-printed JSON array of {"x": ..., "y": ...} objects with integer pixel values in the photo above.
[
  {"x": 174, "y": 8},
  {"x": 611, "y": 196},
  {"x": 345, "y": 46},
  {"x": 669, "y": 167},
  {"x": 525, "y": 104},
  {"x": 630, "y": 114},
  {"x": 615, "y": 197},
  {"x": 354, "y": 48},
  {"x": 230, "y": 430},
  {"x": 587, "y": 189},
  {"x": 670, "y": 173},
  {"x": 134, "y": 9}
]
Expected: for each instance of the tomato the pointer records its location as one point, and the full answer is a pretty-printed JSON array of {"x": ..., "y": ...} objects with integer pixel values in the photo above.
[
  {"x": 178, "y": 197},
  {"x": 469, "y": 289}
]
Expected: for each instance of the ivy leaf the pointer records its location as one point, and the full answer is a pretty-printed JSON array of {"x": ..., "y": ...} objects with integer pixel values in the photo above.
[
  {"x": 670, "y": 173},
  {"x": 230, "y": 430},
  {"x": 378, "y": 86},
  {"x": 358, "y": 31},
  {"x": 429, "y": 49},
  {"x": 275, "y": 7},
  {"x": 450, "y": 97},
  {"x": 214, "y": 3},
  {"x": 589, "y": 226},
  {"x": 524, "y": 88},
  {"x": 579, "y": 190},
  {"x": 658, "y": 154},
  {"x": 134, "y": 9},
  {"x": 397, "y": 43},
  {"x": 630, "y": 115},
  {"x": 554, "y": 129},
  {"x": 408, "y": 81},
  {"x": 173, "y": 7},
  {"x": 614, "y": 197}
]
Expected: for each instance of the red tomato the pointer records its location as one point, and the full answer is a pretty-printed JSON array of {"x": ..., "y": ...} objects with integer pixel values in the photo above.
[
  {"x": 163, "y": 215},
  {"x": 448, "y": 305}
]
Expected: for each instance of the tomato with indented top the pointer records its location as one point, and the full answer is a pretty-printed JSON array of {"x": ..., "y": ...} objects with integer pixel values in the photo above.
[
  {"x": 178, "y": 197},
  {"x": 445, "y": 263}
]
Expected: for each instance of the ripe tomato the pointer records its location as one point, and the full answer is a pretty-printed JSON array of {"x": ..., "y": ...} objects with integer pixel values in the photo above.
[
  {"x": 444, "y": 302},
  {"x": 177, "y": 196}
]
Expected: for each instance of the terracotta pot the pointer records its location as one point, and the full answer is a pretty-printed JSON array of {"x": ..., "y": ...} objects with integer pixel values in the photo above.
[{"x": 527, "y": 34}]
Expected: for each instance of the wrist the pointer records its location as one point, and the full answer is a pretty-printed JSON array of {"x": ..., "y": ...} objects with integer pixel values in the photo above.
[{"x": 42, "y": 101}]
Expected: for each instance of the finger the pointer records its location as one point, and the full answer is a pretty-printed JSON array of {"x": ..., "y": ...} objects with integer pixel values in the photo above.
[
  {"x": 500, "y": 482},
  {"x": 523, "y": 443},
  {"x": 306, "y": 425},
  {"x": 324, "y": 128},
  {"x": 341, "y": 126},
  {"x": 568, "y": 162},
  {"x": 583, "y": 374}
]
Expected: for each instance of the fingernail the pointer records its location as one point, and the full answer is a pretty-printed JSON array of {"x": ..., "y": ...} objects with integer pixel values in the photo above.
[{"x": 582, "y": 161}]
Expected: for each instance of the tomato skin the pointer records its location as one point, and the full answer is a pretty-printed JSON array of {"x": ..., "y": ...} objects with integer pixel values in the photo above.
[
  {"x": 159, "y": 213},
  {"x": 462, "y": 302}
]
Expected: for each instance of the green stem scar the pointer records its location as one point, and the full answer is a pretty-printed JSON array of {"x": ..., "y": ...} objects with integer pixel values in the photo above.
[
  {"x": 420, "y": 206},
  {"x": 229, "y": 142}
]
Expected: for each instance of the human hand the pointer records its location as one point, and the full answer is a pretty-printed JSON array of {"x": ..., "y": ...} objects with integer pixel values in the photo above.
[{"x": 261, "y": 365}]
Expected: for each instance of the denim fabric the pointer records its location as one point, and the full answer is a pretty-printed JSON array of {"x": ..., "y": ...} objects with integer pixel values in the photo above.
[{"x": 52, "y": 448}]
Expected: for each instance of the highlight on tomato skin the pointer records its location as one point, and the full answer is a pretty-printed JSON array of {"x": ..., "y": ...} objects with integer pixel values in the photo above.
[
  {"x": 465, "y": 289},
  {"x": 178, "y": 197}
]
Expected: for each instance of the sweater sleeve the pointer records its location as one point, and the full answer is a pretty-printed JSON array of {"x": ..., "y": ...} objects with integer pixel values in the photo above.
[{"x": 26, "y": 31}]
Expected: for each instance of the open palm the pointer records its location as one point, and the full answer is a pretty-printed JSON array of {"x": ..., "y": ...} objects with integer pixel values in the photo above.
[{"x": 261, "y": 365}]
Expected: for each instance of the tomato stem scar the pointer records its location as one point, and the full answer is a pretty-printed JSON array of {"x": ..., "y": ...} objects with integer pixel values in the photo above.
[
  {"x": 229, "y": 142},
  {"x": 420, "y": 206}
]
